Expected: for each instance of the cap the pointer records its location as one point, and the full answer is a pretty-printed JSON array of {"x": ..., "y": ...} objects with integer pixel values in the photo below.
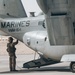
[{"x": 10, "y": 38}]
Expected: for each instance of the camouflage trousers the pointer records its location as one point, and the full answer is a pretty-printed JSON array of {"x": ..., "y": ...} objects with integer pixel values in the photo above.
[{"x": 12, "y": 63}]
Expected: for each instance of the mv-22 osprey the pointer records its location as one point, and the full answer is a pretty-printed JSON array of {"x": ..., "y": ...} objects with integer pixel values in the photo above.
[{"x": 54, "y": 40}]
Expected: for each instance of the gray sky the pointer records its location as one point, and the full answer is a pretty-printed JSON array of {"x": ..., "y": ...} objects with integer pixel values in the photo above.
[{"x": 31, "y": 6}]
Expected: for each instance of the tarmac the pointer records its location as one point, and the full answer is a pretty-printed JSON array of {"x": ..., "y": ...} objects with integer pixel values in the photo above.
[
  {"x": 57, "y": 69},
  {"x": 24, "y": 54}
]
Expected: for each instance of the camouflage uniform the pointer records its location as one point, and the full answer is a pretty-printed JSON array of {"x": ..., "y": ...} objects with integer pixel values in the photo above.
[{"x": 11, "y": 51}]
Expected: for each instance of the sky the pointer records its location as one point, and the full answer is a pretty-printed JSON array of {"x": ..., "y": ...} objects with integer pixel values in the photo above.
[{"x": 31, "y": 6}]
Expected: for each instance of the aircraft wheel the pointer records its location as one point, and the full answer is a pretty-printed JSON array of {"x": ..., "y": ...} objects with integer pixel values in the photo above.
[
  {"x": 28, "y": 68},
  {"x": 72, "y": 67}
]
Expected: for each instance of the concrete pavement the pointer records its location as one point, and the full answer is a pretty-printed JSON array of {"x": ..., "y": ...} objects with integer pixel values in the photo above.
[{"x": 57, "y": 69}]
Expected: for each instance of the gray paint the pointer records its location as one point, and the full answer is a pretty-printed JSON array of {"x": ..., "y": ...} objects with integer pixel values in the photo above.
[
  {"x": 12, "y": 8},
  {"x": 59, "y": 20}
]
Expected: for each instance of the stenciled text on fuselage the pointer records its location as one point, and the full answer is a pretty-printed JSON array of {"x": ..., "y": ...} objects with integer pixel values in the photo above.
[{"x": 14, "y": 24}]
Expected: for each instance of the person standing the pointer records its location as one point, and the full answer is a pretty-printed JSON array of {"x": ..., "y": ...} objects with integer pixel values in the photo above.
[{"x": 11, "y": 51}]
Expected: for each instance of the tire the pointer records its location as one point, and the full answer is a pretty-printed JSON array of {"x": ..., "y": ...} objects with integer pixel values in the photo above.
[{"x": 72, "y": 67}]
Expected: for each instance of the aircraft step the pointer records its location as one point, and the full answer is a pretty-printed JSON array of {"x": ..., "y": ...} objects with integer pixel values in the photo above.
[{"x": 38, "y": 63}]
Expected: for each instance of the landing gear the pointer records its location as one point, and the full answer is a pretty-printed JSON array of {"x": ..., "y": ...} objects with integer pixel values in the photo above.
[{"x": 72, "y": 67}]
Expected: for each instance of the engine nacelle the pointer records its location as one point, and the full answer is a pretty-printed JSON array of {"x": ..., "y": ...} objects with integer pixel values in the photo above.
[
  {"x": 57, "y": 6},
  {"x": 60, "y": 20}
]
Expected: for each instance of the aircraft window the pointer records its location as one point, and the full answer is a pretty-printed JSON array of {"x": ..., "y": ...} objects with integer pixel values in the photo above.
[
  {"x": 28, "y": 41},
  {"x": 45, "y": 38},
  {"x": 37, "y": 42}
]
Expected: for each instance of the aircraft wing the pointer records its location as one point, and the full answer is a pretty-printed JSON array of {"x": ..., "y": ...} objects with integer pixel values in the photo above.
[{"x": 12, "y": 8}]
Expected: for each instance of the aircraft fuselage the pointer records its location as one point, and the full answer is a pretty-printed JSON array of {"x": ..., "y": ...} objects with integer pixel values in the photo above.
[
  {"x": 18, "y": 27},
  {"x": 33, "y": 33}
]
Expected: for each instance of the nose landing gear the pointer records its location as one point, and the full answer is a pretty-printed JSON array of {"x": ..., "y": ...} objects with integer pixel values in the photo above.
[{"x": 72, "y": 67}]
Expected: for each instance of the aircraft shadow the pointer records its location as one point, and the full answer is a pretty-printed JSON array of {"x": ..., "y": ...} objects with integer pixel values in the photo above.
[{"x": 58, "y": 69}]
